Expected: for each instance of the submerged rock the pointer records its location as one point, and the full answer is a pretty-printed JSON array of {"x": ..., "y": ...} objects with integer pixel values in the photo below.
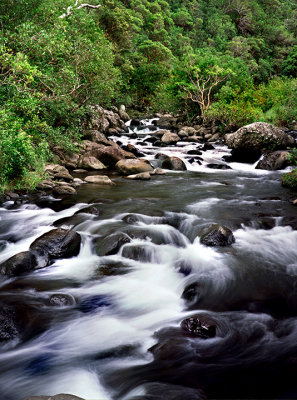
[
  {"x": 58, "y": 243},
  {"x": 19, "y": 264},
  {"x": 164, "y": 391},
  {"x": 61, "y": 300},
  {"x": 8, "y": 326},
  {"x": 199, "y": 325},
  {"x": 111, "y": 244},
  {"x": 218, "y": 166},
  {"x": 218, "y": 235},
  {"x": 143, "y": 176}
]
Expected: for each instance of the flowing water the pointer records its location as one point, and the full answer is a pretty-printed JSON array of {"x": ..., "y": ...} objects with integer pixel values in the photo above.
[{"x": 123, "y": 333}]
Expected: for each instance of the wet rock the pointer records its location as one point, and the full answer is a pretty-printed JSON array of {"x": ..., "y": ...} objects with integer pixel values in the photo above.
[
  {"x": 218, "y": 166},
  {"x": 57, "y": 243},
  {"x": 99, "y": 180},
  {"x": 131, "y": 219},
  {"x": 207, "y": 146},
  {"x": 174, "y": 163},
  {"x": 135, "y": 122},
  {"x": 129, "y": 167},
  {"x": 168, "y": 122},
  {"x": 158, "y": 171},
  {"x": 93, "y": 210},
  {"x": 152, "y": 139},
  {"x": 93, "y": 303},
  {"x": 199, "y": 325},
  {"x": 143, "y": 176},
  {"x": 170, "y": 138},
  {"x": 56, "y": 397},
  {"x": 195, "y": 152},
  {"x": 132, "y": 149},
  {"x": 90, "y": 162},
  {"x": 111, "y": 244},
  {"x": 250, "y": 141},
  {"x": 19, "y": 264},
  {"x": 9, "y": 329},
  {"x": 161, "y": 156},
  {"x": 191, "y": 293},
  {"x": 162, "y": 391},
  {"x": 274, "y": 161},
  {"x": 64, "y": 190},
  {"x": 61, "y": 300},
  {"x": 218, "y": 235},
  {"x": 80, "y": 171}
]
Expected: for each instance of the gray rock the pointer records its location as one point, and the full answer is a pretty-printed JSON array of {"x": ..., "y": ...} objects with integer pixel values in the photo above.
[
  {"x": 64, "y": 175},
  {"x": 90, "y": 162},
  {"x": 274, "y": 161},
  {"x": 61, "y": 300},
  {"x": 143, "y": 176},
  {"x": 250, "y": 141},
  {"x": 99, "y": 180},
  {"x": 170, "y": 138},
  {"x": 218, "y": 235},
  {"x": 174, "y": 163},
  {"x": 19, "y": 264},
  {"x": 64, "y": 190},
  {"x": 130, "y": 166}
]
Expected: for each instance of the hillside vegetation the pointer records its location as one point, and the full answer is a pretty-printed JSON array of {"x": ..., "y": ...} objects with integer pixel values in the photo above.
[{"x": 230, "y": 60}]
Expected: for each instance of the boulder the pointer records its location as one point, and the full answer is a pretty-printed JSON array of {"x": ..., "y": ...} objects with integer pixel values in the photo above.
[
  {"x": 111, "y": 244},
  {"x": 90, "y": 162},
  {"x": 274, "y": 161},
  {"x": 61, "y": 300},
  {"x": 108, "y": 155},
  {"x": 124, "y": 116},
  {"x": 174, "y": 163},
  {"x": 218, "y": 235},
  {"x": 129, "y": 167},
  {"x": 96, "y": 136},
  {"x": 142, "y": 176},
  {"x": 64, "y": 190},
  {"x": 64, "y": 175},
  {"x": 99, "y": 180},
  {"x": 168, "y": 122},
  {"x": 186, "y": 131},
  {"x": 8, "y": 326},
  {"x": 250, "y": 141},
  {"x": 199, "y": 325},
  {"x": 19, "y": 264},
  {"x": 57, "y": 243},
  {"x": 218, "y": 166},
  {"x": 170, "y": 138}
]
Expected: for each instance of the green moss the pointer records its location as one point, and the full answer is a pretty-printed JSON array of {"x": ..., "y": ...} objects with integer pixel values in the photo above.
[{"x": 289, "y": 180}]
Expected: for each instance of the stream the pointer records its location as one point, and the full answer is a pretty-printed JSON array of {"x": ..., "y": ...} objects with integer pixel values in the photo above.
[{"x": 121, "y": 336}]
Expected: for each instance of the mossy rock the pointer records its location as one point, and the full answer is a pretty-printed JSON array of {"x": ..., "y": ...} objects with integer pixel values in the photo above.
[{"x": 289, "y": 180}]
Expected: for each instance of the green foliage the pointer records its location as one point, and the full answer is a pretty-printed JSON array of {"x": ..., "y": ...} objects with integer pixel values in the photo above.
[{"x": 289, "y": 180}]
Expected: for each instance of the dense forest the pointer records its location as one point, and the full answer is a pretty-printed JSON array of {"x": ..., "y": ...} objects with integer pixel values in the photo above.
[{"x": 234, "y": 61}]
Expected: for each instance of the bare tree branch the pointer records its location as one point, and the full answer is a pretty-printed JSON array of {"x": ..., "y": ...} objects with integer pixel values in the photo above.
[{"x": 78, "y": 7}]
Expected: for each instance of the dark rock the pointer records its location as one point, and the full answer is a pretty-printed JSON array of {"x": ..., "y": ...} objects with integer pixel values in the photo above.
[
  {"x": 207, "y": 146},
  {"x": 130, "y": 219},
  {"x": 93, "y": 303},
  {"x": 218, "y": 166},
  {"x": 162, "y": 391},
  {"x": 93, "y": 210},
  {"x": 58, "y": 243},
  {"x": 133, "y": 135},
  {"x": 19, "y": 264},
  {"x": 174, "y": 163},
  {"x": 135, "y": 122},
  {"x": 218, "y": 235},
  {"x": 274, "y": 161},
  {"x": 191, "y": 293},
  {"x": 195, "y": 152},
  {"x": 61, "y": 300},
  {"x": 56, "y": 397},
  {"x": 250, "y": 141},
  {"x": 151, "y": 139},
  {"x": 111, "y": 244},
  {"x": 8, "y": 326},
  {"x": 199, "y": 325}
]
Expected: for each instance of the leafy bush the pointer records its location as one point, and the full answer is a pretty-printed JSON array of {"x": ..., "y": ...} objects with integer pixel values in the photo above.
[{"x": 289, "y": 180}]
